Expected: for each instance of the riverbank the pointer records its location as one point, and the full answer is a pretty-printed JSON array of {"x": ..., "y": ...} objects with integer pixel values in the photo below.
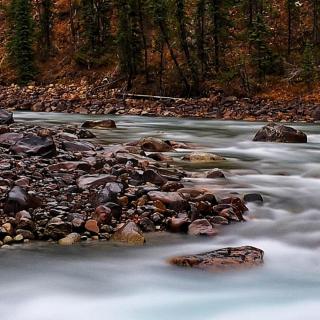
[
  {"x": 88, "y": 99},
  {"x": 58, "y": 185}
]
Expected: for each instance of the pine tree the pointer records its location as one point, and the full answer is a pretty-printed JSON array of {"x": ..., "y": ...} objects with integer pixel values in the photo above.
[
  {"x": 262, "y": 55},
  {"x": 308, "y": 66},
  {"x": 45, "y": 25},
  {"x": 21, "y": 37}
]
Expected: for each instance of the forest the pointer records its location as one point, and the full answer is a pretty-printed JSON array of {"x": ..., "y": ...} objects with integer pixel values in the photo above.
[{"x": 164, "y": 47}]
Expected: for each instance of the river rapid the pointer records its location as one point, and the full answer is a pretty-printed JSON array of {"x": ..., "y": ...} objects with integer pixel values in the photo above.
[{"x": 103, "y": 280}]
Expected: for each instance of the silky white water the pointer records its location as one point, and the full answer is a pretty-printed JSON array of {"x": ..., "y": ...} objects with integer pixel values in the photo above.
[{"x": 110, "y": 281}]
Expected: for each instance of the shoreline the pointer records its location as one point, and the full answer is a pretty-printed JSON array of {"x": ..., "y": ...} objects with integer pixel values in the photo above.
[{"x": 95, "y": 101}]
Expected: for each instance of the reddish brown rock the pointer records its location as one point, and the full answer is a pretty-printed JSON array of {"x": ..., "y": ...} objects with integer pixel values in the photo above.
[
  {"x": 94, "y": 180},
  {"x": 172, "y": 200},
  {"x": 222, "y": 259},
  {"x": 70, "y": 166},
  {"x": 154, "y": 145},
  {"x": 103, "y": 215},
  {"x": 99, "y": 124},
  {"x": 92, "y": 226},
  {"x": 202, "y": 227},
  {"x": 129, "y": 233}
]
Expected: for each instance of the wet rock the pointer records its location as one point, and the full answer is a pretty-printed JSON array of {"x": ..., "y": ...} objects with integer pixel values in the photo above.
[
  {"x": 70, "y": 239},
  {"x": 94, "y": 180},
  {"x": 253, "y": 197},
  {"x": 129, "y": 233},
  {"x": 172, "y": 186},
  {"x": 172, "y": 200},
  {"x": 57, "y": 229},
  {"x": 222, "y": 259},
  {"x": 215, "y": 174},
  {"x": 18, "y": 238},
  {"x": 280, "y": 133},
  {"x": 99, "y": 124},
  {"x": 202, "y": 157},
  {"x": 7, "y": 240},
  {"x": 5, "y": 117},
  {"x": 154, "y": 145},
  {"x": 27, "y": 234},
  {"x": 32, "y": 145},
  {"x": 201, "y": 227},
  {"x": 218, "y": 220}
]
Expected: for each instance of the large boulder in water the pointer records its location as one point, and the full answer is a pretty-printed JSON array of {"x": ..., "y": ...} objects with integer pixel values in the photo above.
[
  {"x": 222, "y": 259},
  {"x": 151, "y": 144},
  {"x": 279, "y": 133},
  {"x": 99, "y": 124},
  {"x": 5, "y": 117},
  {"x": 33, "y": 145}
]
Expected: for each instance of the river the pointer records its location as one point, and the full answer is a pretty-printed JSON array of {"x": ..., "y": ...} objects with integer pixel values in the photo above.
[{"x": 110, "y": 281}]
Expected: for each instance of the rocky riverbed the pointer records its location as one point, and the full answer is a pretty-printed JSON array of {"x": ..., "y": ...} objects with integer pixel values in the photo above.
[
  {"x": 93, "y": 99},
  {"x": 56, "y": 185}
]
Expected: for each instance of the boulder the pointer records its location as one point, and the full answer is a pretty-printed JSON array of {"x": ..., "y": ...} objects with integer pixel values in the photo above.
[
  {"x": 70, "y": 239},
  {"x": 129, "y": 233},
  {"x": 202, "y": 157},
  {"x": 222, "y": 259},
  {"x": 99, "y": 124},
  {"x": 201, "y": 227},
  {"x": 172, "y": 200},
  {"x": 33, "y": 145},
  {"x": 10, "y": 138},
  {"x": 77, "y": 146},
  {"x": 5, "y": 117},
  {"x": 279, "y": 133},
  {"x": 154, "y": 145}
]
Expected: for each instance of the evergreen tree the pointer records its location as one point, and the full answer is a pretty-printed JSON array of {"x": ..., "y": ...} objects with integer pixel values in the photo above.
[
  {"x": 308, "y": 66},
  {"x": 200, "y": 34},
  {"x": 20, "y": 44},
  {"x": 45, "y": 24},
  {"x": 262, "y": 55}
]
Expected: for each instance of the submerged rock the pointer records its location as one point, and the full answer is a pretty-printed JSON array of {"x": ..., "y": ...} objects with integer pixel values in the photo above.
[
  {"x": 154, "y": 145},
  {"x": 222, "y": 259},
  {"x": 202, "y": 157},
  {"x": 279, "y": 133},
  {"x": 99, "y": 124}
]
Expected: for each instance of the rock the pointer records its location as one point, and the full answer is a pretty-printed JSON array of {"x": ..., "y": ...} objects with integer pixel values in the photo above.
[
  {"x": 201, "y": 227},
  {"x": 10, "y": 138},
  {"x": 129, "y": 233},
  {"x": 147, "y": 225},
  {"x": 103, "y": 215},
  {"x": 7, "y": 240},
  {"x": 172, "y": 200},
  {"x": 58, "y": 229},
  {"x": 70, "y": 239},
  {"x": 32, "y": 145},
  {"x": 17, "y": 200},
  {"x": 202, "y": 157},
  {"x": 18, "y": 238},
  {"x": 27, "y": 234},
  {"x": 215, "y": 174},
  {"x": 154, "y": 177},
  {"x": 92, "y": 226},
  {"x": 110, "y": 192},
  {"x": 8, "y": 228},
  {"x": 5, "y": 117},
  {"x": 222, "y": 259},
  {"x": 172, "y": 186},
  {"x": 179, "y": 225},
  {"x": 253, "y": 197},
  {"x": 70, "y": 166},
  {"x": 154, "y": 145},
  {"x": 99, "y": 124},
  {"x": 95, "y": 180},
  {"x": 116, "y": 210},
  {"x": 280, "y": 133},
  {"x": 77, "y": 146}
]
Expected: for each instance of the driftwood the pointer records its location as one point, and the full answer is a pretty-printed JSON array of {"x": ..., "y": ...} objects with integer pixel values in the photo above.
[{"x": 145, "y": 97}]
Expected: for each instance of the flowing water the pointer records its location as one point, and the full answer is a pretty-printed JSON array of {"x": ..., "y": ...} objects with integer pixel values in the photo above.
[{"x": 108, "y": 281}]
